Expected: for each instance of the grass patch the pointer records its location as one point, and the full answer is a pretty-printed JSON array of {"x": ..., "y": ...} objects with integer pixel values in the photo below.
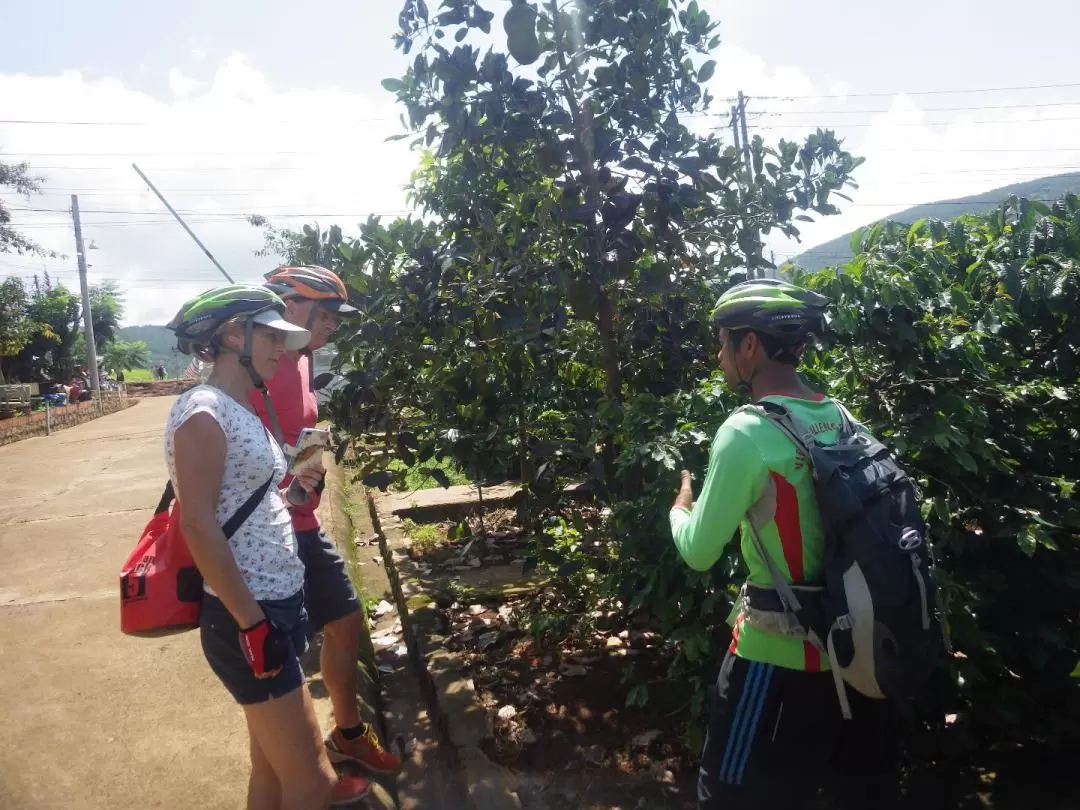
[
  {"x": 348, "y": 548},
  {"x": 415, "y": 479},
  {"x": 426, "y": 537},
  {"x": 138, "y": 375}
]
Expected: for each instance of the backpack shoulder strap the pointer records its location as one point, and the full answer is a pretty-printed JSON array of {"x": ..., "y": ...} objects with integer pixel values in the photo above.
[
  {"x": 236, "y": 521},
  {"x": 244, "y": 512},
  {"x": 166, "y": 498},
  {"x": 784, "y": 419}
]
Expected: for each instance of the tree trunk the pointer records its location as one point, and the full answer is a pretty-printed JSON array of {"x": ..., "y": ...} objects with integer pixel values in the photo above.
[
  {"x": 524, "y": 468},
  {"x": 610, "y": 348}
]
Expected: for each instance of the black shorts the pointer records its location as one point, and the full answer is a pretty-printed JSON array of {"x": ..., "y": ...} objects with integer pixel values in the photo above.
[
  {"x": 329, "y": 591},
  {"x": 776, "y": 738},
  {"x": 221, "y": 645}
]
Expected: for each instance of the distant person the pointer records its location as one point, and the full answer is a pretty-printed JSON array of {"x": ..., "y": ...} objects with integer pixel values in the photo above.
[
  {"x": 253, "y": 624},
  {"x": 315, "y": 298},
  {"x": 74, "y": 392},
  {"x": 120, "y": 376}
]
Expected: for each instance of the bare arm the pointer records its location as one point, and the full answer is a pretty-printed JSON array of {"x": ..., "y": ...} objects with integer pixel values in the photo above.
[{"x": 199, "y": 454}]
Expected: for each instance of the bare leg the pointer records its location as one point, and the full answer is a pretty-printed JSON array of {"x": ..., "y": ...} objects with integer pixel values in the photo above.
[
  {"x": 341, "y": 645},
  {"x": 288, "y": 737},
  {"x": 264, "y": 789}
]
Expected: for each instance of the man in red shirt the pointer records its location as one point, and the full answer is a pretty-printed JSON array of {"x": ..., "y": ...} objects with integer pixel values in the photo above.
[{"x": 315, "y": 298}]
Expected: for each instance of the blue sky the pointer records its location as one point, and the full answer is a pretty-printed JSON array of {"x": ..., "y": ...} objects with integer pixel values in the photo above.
[{"x": 221, "y": 96}]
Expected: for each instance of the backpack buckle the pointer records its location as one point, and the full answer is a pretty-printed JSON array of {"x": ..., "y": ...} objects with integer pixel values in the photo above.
[{"x": 910, "y": 540}]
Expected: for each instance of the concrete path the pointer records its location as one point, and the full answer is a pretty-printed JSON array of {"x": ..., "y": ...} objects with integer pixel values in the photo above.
[{"x": 92, "y": 718}]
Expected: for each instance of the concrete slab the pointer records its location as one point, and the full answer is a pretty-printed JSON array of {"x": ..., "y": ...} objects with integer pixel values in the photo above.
[
  {"x": 452, "y": 711},
  {"x": 444, "y": 501}
]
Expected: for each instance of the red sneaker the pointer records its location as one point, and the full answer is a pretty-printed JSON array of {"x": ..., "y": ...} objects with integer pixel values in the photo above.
[
  {"x": 349, "y": 791},
  {"x": 365, "y": 750}
]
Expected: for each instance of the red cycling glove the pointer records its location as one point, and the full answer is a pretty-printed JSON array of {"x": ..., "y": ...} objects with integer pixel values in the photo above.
[{"x": 266, "y": 648}]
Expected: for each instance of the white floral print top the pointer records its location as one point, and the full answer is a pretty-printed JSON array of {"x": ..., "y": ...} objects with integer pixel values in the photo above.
[{"x": 264, "y": 547}]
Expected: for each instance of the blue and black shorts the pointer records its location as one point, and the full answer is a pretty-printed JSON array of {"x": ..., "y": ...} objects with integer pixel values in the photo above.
[
  {"x": 221, "y": 644},
  {"x": 776, "y": 738}
]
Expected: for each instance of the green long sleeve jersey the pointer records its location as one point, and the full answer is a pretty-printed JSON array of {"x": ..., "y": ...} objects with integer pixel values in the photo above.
[{"x": 756, "y": 473}]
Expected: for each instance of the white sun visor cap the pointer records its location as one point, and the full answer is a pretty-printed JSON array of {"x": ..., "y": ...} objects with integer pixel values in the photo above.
[{"x": 296, "y": 337}]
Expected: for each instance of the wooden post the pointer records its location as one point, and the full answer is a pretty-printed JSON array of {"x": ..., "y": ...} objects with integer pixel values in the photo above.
[{"x": 48, "y": 419}]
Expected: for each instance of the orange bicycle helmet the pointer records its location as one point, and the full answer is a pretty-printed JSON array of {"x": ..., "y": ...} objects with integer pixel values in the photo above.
[{"x": 314, "y": 283}]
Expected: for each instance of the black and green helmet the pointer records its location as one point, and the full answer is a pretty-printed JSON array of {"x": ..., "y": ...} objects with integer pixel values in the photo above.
[
  {"x": 203, "y": 316},
  {"x": 772, "y": 307}
]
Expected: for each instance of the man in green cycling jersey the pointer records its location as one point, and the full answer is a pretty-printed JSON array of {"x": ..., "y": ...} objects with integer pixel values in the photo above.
[{"x": 775, "y": 730}]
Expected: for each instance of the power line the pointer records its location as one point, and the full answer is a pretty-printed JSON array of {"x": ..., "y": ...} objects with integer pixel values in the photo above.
[
  {"x": 755, "y": 96},
  {"x": 344, "y": 122},
  {"x": 961, "y": 123},
  {"x": 951, "y": 91},
  {"x": 929, "y": 110},
  {"x": 18, "y": 156}
]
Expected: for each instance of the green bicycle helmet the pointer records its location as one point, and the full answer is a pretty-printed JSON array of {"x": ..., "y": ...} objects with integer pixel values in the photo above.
[
  {"x": 772, "y": 307},
  {"x": 200, "y": 320}
]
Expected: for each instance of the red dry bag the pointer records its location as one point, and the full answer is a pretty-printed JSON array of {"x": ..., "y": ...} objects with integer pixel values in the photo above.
[{"x": 160, "y": 587}]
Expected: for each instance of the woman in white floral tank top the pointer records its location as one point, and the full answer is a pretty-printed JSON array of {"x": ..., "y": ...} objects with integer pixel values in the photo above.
[{"x": 223, "y": 463}]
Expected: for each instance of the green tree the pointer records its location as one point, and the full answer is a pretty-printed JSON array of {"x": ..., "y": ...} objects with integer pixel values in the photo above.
[
  {"x": 588, "y": 156},
  {"x": 106, "y": 310},
  {"x": 550, "y": 320},
  {"x": 56, "y": 344},
  {"x": 310, "y": 245},
  {"x": 957, "y": 342},
  {"x": 18, "y": 178},
  {"x": 123, "y": 355},
  {"x": 16, "y": 327}
]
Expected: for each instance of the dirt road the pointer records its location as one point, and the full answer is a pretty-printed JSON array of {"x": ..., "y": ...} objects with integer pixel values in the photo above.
[{"x": 92, "y": 718}]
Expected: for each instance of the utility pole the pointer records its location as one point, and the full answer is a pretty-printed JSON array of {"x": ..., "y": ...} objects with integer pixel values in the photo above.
[
  {"x": 735, "y": 127},
  {"x": 88, "y": 321},
  {"x": 742, "y": 144},
  {"x": 745, "y": 136}
]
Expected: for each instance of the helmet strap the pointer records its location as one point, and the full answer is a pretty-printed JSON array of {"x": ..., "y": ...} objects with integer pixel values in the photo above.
[
  {"x": 275, "y": 426},
  {"x": 311, "y": 355},
  {"x": 260, "y": 383},
  {"x": 245, "y": 355},
  {"x": 743, "y": 384},
  {"x": 312, "y": 315}
]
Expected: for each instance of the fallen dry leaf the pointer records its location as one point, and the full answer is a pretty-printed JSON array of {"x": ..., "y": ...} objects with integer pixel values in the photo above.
[{"x": 645, "y": 738}]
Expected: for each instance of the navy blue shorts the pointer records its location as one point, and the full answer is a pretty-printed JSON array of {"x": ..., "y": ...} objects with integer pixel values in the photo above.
[
  {"x": 328, "y": 590},
  {"x": 220, "y": 636},
  {"x": 776, "y": 738}
]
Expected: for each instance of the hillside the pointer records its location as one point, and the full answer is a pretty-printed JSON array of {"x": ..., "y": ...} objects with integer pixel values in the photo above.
[
  {"x": 838, "y": 251},
  {"x": 162, "y": 345}
]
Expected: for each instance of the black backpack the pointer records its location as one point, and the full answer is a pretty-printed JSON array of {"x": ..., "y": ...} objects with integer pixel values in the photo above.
[{"x": 876, "y": 614}]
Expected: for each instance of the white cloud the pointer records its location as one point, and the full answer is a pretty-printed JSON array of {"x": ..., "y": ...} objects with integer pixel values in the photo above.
[
  {"x": 918, "y": 148},
  {"x": 184, "y": 86},
  {"x": 218, "y": 150}
]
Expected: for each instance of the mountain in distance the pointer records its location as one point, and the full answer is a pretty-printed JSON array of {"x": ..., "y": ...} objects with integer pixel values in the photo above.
[
  {"x": 162, "y": 345},
  {"x": 1048, "y": 189}
]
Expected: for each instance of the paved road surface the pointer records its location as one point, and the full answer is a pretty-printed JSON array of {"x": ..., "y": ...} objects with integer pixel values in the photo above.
[{"x": 92, "y": 718}]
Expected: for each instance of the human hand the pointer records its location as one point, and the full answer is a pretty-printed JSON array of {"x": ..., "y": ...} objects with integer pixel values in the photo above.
[
  {"x": 265, "y": 647},
  {"x": 311, "y": 477},
  {"x": 685, "y": 498}
]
